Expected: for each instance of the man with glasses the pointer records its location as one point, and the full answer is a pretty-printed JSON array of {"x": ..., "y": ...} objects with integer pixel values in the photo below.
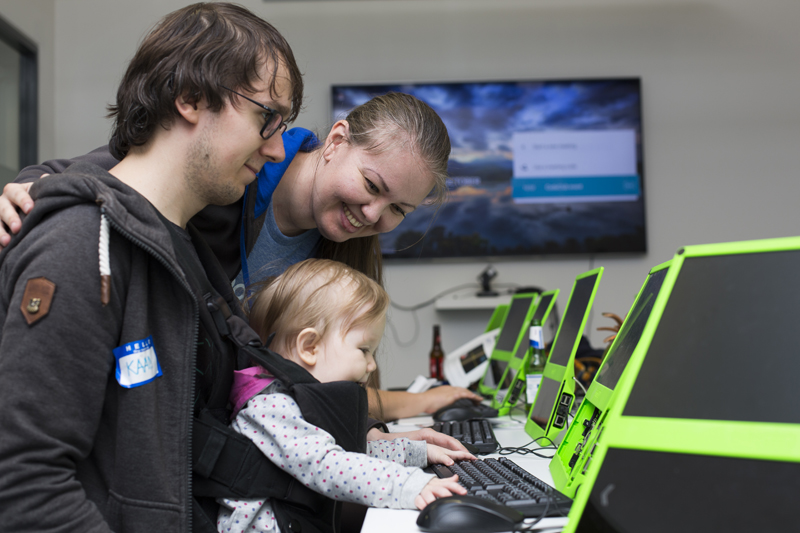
[
  {"x": 106, "y": 352},
  {"x": 273, "y": 121}
]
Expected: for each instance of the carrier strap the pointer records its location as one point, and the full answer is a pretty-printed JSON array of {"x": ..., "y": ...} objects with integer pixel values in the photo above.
[{"x": 230, "y": 465}]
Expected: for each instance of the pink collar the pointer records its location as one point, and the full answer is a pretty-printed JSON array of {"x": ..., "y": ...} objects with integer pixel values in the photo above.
[{"x": 246, "y": 384}]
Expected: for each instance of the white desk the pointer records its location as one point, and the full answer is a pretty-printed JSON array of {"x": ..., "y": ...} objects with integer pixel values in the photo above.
[{"x": 509, "y": 432}]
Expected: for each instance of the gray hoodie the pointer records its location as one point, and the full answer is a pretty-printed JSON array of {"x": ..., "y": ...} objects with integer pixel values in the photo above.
[{"x": 78, "y": 450}]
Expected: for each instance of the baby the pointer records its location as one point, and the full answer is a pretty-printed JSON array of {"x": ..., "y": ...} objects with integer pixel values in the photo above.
[{"x": 328, "y": 319}]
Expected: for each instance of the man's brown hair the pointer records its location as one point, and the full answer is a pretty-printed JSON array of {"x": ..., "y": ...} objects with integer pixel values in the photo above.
[{"x": 193, "y": 52}]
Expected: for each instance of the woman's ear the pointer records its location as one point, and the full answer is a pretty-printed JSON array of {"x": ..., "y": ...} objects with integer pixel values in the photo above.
[
  {"x": 307, "y": 346},
  {"x": 338, "y": 136},
  {"x": 188, "y": 108}
]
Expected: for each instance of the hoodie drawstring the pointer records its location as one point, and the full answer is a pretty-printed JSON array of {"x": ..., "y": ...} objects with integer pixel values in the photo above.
[{"x": 105, "y": 264}]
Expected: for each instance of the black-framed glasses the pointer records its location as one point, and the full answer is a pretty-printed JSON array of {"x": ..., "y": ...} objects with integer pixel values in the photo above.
[{"x": 273, "y": 121}]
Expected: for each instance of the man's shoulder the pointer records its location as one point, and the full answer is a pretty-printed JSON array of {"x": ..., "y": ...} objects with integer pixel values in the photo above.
[{"x": 68, "y": 209}]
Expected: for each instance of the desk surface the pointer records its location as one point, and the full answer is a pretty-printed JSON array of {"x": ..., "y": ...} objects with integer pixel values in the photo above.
[{"x": 509, "y": 431}]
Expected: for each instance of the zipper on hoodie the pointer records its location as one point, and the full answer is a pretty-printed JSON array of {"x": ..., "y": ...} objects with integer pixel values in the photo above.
[{"x": 196, "y": 311}]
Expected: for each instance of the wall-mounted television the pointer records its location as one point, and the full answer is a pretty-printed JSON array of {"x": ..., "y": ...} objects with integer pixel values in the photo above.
[{"x": 537, "y": 168}]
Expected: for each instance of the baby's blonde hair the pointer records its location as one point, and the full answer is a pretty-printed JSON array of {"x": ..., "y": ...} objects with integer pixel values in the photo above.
[{"x": 304, "y": 296}]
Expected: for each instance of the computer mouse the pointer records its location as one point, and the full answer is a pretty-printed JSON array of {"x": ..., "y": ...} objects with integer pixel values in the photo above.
[
  {"x": 467, "y": 514},
  {"x": 463, "y": 409}
]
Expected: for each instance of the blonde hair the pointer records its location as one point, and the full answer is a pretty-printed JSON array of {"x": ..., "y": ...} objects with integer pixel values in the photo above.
[
  {"x": 375, "y": 126},
  {"x": 388, "y": 119},
  {"x": 305, "y": 296}
]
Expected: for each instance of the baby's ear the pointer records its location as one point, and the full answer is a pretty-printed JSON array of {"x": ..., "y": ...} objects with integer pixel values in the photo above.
[{"x": 307, "y": 346}]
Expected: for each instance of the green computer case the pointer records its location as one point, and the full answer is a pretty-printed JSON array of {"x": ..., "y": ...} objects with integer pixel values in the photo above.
[{"x": 703, "y": 433}]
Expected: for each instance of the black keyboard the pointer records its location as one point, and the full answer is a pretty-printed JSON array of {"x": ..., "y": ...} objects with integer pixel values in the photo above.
[
  {"x": 503, "y": 481},
  {"x": 475, "y": 431}
]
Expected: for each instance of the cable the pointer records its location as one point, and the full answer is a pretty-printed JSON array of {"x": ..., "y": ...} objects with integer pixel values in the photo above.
[
  {"x": 415, "y": 307},
  {"x": 525, "y": 450},
  {"x": 529, "y": 527},
  {"x": 397, "y": 336},
  {"x": 433, "y": 299},
  {"x": 581, "y": 385},
  {"x": 520, "y": 407}
]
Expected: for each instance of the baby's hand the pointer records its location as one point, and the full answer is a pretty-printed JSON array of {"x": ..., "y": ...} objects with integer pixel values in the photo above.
[
  {"x": 443, "y": 456},
  {"x": 429, "y": 435},
  {"x": 438, "y": 488}
]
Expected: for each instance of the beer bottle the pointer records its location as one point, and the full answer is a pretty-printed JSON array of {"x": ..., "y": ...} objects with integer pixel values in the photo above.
[{"x": 437, "y": 355}]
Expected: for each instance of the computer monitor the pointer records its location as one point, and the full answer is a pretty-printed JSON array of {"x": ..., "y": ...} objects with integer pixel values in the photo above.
[
  {"x": 551, "y": 407},
  {"x": 509, "y": 339},
  {"x": 707, "y": 409},
  {"x": 574, "y": 454},
  {"x": 507, "y": 397}
]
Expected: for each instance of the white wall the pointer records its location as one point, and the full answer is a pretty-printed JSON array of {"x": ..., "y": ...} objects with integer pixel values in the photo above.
[{"x": 721, "y": 111}]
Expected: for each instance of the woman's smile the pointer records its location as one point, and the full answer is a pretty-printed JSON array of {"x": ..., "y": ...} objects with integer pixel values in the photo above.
[{"x": 350, "y": 218}]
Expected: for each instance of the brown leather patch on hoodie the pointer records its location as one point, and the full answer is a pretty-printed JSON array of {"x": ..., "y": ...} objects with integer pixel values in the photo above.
[{"x": 37, "y": 299}]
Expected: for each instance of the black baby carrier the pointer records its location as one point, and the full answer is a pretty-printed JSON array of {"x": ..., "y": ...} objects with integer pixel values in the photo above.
[{"x": 229, "y": 465}]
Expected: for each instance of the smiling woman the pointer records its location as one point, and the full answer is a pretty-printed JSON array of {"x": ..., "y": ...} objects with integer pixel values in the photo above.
[{"x": 335, "y": 197}]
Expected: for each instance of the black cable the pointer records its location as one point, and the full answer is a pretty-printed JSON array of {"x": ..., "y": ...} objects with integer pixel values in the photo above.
[
  {"x": 520, "y": 407},
  {"x": 525, "y": 450},
  {"x": 445, "y": 292},
  {"x": 529, "y": 527}
]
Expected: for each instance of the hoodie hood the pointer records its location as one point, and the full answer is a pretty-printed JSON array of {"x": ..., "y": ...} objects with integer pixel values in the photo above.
[{"x": 127, "y": 211}]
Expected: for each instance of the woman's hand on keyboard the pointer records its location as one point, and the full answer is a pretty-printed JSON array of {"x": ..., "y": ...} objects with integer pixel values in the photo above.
[
  {"x": 438, "y": 488},
  {"x": 442, "y": 456}
]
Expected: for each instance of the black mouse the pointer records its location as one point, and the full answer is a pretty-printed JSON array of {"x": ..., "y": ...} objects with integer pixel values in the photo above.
[
  {"x": 463, "y": 409},
  {"x": 467, "y": 514}
]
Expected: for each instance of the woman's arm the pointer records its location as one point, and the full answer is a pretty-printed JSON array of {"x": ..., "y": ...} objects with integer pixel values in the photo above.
[{"x": 402, "y": 404}]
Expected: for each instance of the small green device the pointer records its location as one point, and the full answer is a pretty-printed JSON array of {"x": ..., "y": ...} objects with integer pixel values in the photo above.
[{"x": 553, "y": 402}]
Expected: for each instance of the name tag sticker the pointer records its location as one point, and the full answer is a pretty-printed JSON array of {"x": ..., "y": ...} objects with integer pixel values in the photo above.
[{"x": 137, "y": 363}]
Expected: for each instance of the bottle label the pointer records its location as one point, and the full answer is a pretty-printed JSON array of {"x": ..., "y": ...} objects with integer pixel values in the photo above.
[
  {"x": 537, "y": 337},
  {"x": 532, "y": 382}
]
